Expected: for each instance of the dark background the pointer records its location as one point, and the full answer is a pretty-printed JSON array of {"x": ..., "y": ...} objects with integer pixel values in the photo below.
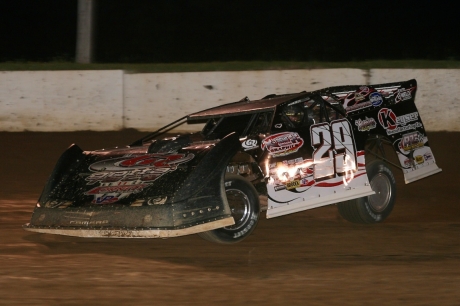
[{"x": 162, "y": 31}]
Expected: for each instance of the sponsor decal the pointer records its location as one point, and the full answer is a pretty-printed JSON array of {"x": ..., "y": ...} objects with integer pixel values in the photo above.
[
  {"x": 118, "y": 189},
  {"x": 361, "y": 93},
  {"x": 407, "y": 163},
  {"x": 376, "y": 98},
  {"x": 157, "y": 201},
  {"x": 106, "y": 199},
  {"x": 279, "y": 187},
  {"x": 278, "y": 126},
  {"x": 249, "y": 144},
  {"x": 155, "y": 160},
  {"x": 282, "y": 144},
  {"x": 428, "y": 156},
  {"x": 359, "y": 97},
  {"x": 120, "y": 177},
  {"x": 358, "y": 106},
  {"x": 143, "y": 175},
  {"x": 291, "y": 174},
  {"x": 353, "y": 100},
  {"x": 95, "y": 222},
  {"x": 396, "y": 124},
  {"x": 366, "y": 124},
  {"x": 56, "y": 204},
  {"x": 410, "y": 142},
  {"x": 403, "y": 94},
  {"x": 292, "y": 184},
  {"x": 419, "y": 159},
  {"x": 364, "y": 97}
]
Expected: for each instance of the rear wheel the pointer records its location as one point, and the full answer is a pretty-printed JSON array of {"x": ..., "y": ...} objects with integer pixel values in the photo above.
[
  {"x": 243, "y": 200},
  {"x": 377, "y": 207}
]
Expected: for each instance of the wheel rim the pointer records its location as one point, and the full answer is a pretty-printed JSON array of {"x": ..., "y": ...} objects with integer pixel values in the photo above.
[
  {"x": 239, "y": 205},
  {"x": 381, "y": 185}
]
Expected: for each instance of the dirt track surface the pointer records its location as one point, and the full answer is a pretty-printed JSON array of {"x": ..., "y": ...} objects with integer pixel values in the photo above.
[{"x": 309, "y": 258}]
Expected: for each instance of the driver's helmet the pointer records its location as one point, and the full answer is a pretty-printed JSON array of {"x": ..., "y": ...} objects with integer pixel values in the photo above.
[{"x": 294, "y": 113}]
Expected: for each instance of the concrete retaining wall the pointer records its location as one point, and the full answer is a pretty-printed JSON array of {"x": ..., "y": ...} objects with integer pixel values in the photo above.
[
  {"x": 112, "y": 100},
  {"x": 153, "y": 100},
  {"x": 61, "y": 100}
]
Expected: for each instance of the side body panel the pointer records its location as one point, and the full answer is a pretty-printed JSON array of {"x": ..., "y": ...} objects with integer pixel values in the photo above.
[
  {"x": 297, "y": 182},
  {"x": 324, "y": 163},
  {"x": 312, "y": 166}
]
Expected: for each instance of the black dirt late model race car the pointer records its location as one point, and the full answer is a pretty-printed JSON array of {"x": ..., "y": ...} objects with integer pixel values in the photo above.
[{"x": 283, "y": 154}]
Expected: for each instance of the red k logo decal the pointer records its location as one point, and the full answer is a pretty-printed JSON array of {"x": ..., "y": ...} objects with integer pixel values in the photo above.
[{"x": 387, "y": 119}]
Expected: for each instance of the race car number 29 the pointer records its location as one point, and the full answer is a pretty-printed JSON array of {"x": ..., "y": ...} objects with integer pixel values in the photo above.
[{"x": 334, "y": 149}]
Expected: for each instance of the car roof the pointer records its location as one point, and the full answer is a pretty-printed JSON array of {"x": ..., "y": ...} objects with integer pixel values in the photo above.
[{"x": 244, "y": 107}]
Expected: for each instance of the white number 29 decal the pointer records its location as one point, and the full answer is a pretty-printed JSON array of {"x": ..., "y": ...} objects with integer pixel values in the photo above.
[{"x": 335, "y": 151}]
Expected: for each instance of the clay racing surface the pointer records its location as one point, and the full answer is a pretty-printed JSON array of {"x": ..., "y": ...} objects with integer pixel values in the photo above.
[{"x": 313, "y": 257}]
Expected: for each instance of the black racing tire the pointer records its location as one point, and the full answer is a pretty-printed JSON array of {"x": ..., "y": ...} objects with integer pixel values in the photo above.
[
  {"x": 377, "y": 207},
  {"x": 243, "y": 200}
]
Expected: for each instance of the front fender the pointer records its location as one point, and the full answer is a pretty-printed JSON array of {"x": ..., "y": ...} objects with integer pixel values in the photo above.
[
  {"x": 204, "y": 187},
  {"x": 199, "y": 204}
]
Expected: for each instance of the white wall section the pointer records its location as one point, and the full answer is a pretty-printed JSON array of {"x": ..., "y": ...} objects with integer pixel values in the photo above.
[
  {"x": 153, "y": 100},
  {"x": 61, "y": 100},
  {"x": 113, "y": 100}
]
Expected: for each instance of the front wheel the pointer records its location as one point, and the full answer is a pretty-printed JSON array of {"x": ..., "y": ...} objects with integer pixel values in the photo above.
[
  {"x": 243, "y": 200},
  {"x": 377, "y": 207}
]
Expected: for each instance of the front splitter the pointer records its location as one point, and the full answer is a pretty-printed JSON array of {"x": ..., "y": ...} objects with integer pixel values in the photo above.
[{"x": 131, "y": 233}]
